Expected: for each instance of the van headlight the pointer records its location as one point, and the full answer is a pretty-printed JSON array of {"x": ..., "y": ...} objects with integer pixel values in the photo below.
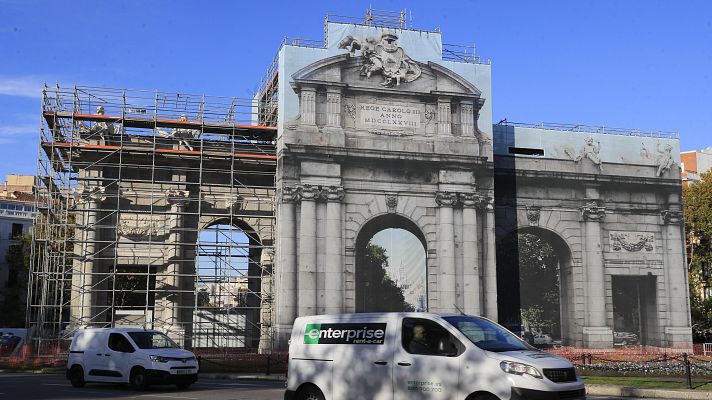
[
  {"x": 516, "y": 368},
  {"x": 159, "y": 359}
]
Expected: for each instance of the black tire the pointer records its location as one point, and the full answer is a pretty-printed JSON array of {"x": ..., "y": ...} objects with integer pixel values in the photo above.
[
  {"x": 183, "y": 385},
  {"x": 485, "y": 396},
  {"x": 76, "y": 376},
  {"x": 138, "y": 379},
  {"x": 310, "y": 392}
]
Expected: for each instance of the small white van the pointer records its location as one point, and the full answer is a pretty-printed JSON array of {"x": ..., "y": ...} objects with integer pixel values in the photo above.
[
  {"x": 138, "y": 357},
  {"x": 406, "y": 356}
]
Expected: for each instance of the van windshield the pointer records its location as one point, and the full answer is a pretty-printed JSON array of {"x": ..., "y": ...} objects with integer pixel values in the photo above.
[
  {"x": 487, "y": 335},
  {"x": 152, "y": 340}
]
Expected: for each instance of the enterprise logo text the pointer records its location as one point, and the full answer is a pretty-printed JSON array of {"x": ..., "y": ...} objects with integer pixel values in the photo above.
[{"x": 344, "y": 333}]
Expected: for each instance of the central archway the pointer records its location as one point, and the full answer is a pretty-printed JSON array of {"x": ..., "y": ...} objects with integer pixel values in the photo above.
[{"x": 391, "y": 266}]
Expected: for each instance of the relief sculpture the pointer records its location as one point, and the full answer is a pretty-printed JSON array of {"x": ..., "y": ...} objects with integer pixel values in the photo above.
[
  {"x": 383, "y": 56},
  {"x": 632, "y": 241}
]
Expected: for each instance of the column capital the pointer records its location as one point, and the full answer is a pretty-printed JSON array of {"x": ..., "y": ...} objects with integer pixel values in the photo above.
[
  {"x": 309, "y": 192},
  {"x": 593, "y": 210},
  {"x": 333, "y": 193},
  {"x": 469, "y": 200},
  {"x": 96, "y": 195},
  {"x": 290, "y": 193},
  {"x": 177, "y": 197},
  {"x": 485, "y": 203},
  {"x": 672, "y": 217},
  {"x": 446, "y": 199}
]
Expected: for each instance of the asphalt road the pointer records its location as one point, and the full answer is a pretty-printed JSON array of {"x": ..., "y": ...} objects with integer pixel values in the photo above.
[{"x": 44, "y": 386}]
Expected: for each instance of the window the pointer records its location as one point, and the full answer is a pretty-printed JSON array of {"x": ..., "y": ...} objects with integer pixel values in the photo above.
[
  {"x": 426, "y": 337},
  {"x": 487, "y": 335},
  {"x": 120, "y": 343},
  {"x": 16, "y": 231},
  {"x": 153, "y": 340}
]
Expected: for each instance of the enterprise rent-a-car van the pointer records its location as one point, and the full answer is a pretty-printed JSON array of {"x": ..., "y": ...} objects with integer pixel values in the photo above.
[{"x": 420, "y": 356}]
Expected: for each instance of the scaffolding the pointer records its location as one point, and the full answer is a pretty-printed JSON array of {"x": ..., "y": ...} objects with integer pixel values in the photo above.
[{"x": 155, "y": 210}]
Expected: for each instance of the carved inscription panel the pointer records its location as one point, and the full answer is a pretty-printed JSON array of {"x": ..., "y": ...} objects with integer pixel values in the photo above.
[{"x": 141, "y": 225}]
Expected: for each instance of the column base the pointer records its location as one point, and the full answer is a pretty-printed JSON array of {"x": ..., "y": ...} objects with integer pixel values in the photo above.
[
  {"x": 678, "y": 337},
  {"x": 176, "y": 333},
  {"x": 597, "y": 337},
  {"x": 282, "y": 334}
]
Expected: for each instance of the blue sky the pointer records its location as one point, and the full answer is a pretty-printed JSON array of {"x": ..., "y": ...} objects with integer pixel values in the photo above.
[{"x": 644, "y": 65}]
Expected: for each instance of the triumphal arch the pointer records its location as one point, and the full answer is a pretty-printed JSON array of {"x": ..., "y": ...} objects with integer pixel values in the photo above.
[
  {"x": 383, "y": 128},
  {"x": 366, "y": 174}
]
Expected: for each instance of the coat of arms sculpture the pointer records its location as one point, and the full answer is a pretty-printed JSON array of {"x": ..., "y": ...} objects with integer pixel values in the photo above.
[{"x": 383, "y": 56}]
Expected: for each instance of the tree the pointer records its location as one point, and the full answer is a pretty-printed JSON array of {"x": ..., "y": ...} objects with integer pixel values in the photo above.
[
  {"x": 378, "y": 291},
  {"x": 697, "y": 198},
  {"x": 14, "y": 307}
]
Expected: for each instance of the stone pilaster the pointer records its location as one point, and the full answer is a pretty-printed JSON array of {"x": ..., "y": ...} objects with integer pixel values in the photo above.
[
  {"x": 678, "y": 333},
  {"x": 447, "y": 299},
  {"x": 83, "y": 274},
  {"x": 490, "y": 256},
  {"x": 444, "y": 117},
  {"x": 306, "y": 276},
  {"x": 333, "y": 108},
  {"x": 334, "y": 271},
  {"x": 287, "y": 272},
  {"x": 596, "y": 333},
  {"x": 471, "y": 268},
  {"x": 178, "y": 200},
  {"x": 307, "y": 106},
  {"x": 467, "y": 119}
]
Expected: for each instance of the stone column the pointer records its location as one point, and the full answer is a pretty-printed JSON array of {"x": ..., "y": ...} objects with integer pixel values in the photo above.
[
  {"x": 307, "y": 106},
  {"x": 595, "y": 334},
  {"x": 467, "y": 119},
  {"x": 306, "y": 277},
  {"x": 83, "y": 277},
  {"x": 177, "y": 199},
  {"x": 446, "y": 252},
  {"x": 490, "y": 256},
  {"x": 471, "y": 269},
  {"x": 444, "y": 117},
  {"x": 679, "y": 332},
  {"x": 333, "y": 108},
  {"x": 334, "y": 271},
  {"x": 287, "y": 268}
]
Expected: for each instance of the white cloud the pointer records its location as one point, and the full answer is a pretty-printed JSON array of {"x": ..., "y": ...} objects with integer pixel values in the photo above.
[
  {"x": 24, "y": 86},
  {"x": 16, "y": 132}
]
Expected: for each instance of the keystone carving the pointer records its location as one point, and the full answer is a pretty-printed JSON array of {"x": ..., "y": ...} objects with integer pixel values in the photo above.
[
  {"x": 533, "y": 213},
  {"x": 383, "y": 56},
  {"x": 593, "y": 211},
  {"x": 391, "y": 202}
]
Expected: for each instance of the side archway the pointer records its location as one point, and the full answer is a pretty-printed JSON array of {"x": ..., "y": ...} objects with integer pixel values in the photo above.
[
  {"x": 391, "y": 266},
  {"x": 534, "y": 270},
  {"x": 228, "y": 285}
]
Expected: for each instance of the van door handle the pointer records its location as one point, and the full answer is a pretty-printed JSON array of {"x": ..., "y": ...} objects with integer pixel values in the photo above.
[
  {"x": 108, "y": 355},
  {"x": 98, "y": 354},
  {"x": 404, "y": 364},
  {"x": 381, "y": 362}
]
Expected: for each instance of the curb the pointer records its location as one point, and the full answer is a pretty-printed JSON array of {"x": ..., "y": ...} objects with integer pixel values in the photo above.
[
  {"x": 627, "y": 391},
  {"x": 243, "y": 377}
]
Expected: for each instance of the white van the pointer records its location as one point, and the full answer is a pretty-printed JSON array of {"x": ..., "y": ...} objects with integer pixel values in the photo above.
[
  {"x": 408, "y": 356},
  {"x": 139, "y": 357}
]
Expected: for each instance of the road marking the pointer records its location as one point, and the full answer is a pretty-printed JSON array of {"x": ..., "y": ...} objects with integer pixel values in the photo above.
[{"x": 169, "y": 397}]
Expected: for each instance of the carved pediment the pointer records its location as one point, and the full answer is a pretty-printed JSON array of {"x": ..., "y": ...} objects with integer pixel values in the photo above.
[{"x": 346, "y": 71}]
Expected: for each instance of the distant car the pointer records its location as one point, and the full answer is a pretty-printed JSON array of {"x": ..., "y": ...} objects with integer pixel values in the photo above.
[
  {"x": 624, "y": 338},
  {"x": 542, "y": 339},
  {"x": 8, "y": 344}
]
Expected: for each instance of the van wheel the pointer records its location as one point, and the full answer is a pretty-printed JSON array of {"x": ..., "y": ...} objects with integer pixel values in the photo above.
[
  {"x": 138, "y": 380},
  {"x": 310, "y": 392},
  {"x": 76, "y": 376},
  {"x": 486, "y": 397}
]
